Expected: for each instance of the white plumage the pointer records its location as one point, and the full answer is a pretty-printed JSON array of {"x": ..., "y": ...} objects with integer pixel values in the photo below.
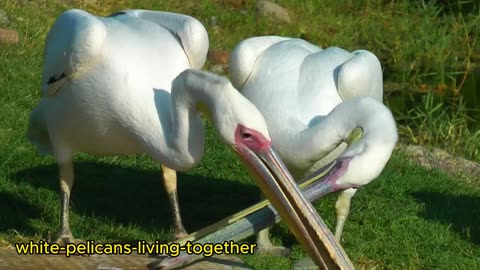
[
  {"x": 127, "y": 83},
  {"x": 108, "y": 88},
  {"x": 106, "y": 91},
  {"x": 105, "y": 68},
  {"x": 312, "y": 99}
]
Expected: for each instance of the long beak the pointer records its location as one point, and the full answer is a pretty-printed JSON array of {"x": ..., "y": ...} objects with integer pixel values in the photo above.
[
  {"x": 329, "y": 173},
  {"x": 333, "y": 170},
  {"x": 280, "y": 188}
]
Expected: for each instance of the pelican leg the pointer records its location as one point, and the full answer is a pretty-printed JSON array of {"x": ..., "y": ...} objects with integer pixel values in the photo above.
[
  {"x": 64, "y": 235},
  {"x": 170, "y": 183},
  {"x": 265, "y": 246},
  {"x": 342, "y": 207}
]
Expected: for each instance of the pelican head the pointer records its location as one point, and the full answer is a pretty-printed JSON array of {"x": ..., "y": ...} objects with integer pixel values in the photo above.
[
  {"x": 243, "y": 128},
  {"x": 365, "y": 159},
  {"x": 253, "y": 144}
]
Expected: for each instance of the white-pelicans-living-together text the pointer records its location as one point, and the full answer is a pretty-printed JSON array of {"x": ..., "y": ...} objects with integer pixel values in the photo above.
[
  {"x": 110, "y": 86},
  {"x": 312, "y": 99}
]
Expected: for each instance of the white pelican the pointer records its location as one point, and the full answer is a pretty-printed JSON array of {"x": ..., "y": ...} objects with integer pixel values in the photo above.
[
  {"x": 312, "y": 99},
  {"x": 104, "y": 79},
  {"x": 110, "y": 86}
]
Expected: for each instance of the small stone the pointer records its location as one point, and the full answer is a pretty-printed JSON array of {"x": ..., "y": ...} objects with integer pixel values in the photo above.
[
  {"x": 8, "y": 36},
  {"x": 213, "y": 21},
  {"x": 218, "y": 56},
  {"x": 3, "y": 17},
  {"x": 218, "y": 69},
  {"x": 267, "y": 8},
  {"x": 305, "y": 264}
]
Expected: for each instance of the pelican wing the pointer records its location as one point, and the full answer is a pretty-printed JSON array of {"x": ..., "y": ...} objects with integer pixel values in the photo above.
[
  {"x": 190, "y": 32},
  {"x": 245, "y": 54},
  {"x": 37, "y": 132},
  {"x": 73, "y": 43},
  {"x": 361, "y": 75}
]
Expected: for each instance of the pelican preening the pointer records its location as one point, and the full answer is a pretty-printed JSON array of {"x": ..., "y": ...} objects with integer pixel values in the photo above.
[
  {"x": 106, "y": 90},
  {"x": 127, "y": 83},
  {"x": 312, "y": 99}
]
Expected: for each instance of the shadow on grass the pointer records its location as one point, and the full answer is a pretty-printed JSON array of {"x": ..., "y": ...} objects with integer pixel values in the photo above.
[
  {"x": 132, "y": 196},
  {"x": 461, "y": 212},
  {"x": 15, "y": 213}
]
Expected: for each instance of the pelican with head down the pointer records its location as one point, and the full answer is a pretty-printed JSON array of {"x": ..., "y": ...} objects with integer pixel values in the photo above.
[
  {"x": 312, "y": 100},
  {"x": 127, "y": 84}
]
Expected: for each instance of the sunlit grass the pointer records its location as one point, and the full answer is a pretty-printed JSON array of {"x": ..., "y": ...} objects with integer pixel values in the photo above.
[
  {"x": 409, "y": 218},
  {"x": 434, "y": 123}
]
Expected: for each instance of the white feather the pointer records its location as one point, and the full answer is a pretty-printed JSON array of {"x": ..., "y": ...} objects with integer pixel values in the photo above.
[
  {"x": 115, "y": 95},
  {"x": 312, "y": 99}
]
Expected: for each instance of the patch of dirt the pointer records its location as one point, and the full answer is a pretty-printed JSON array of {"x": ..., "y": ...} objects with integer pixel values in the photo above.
[
  {"x": 218, "y": 56},
  {"x": 8, "y": 36},
  {"x": 440, "y": 159}
]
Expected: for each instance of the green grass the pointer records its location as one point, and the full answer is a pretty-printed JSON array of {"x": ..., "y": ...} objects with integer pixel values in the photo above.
[
  {"x": 434, "y": 123},
  {"x": 409, "y": 218}
]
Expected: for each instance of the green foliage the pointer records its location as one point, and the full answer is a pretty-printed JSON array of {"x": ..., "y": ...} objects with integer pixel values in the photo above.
[
  {"x": 433, "y": 122},
  {"x": 415, "y": 41}
]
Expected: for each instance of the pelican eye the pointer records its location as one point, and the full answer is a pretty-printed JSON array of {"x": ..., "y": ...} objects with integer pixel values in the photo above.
[
  {"x": 246, "y": 135},
  {"x": 53, "y": 79}
]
